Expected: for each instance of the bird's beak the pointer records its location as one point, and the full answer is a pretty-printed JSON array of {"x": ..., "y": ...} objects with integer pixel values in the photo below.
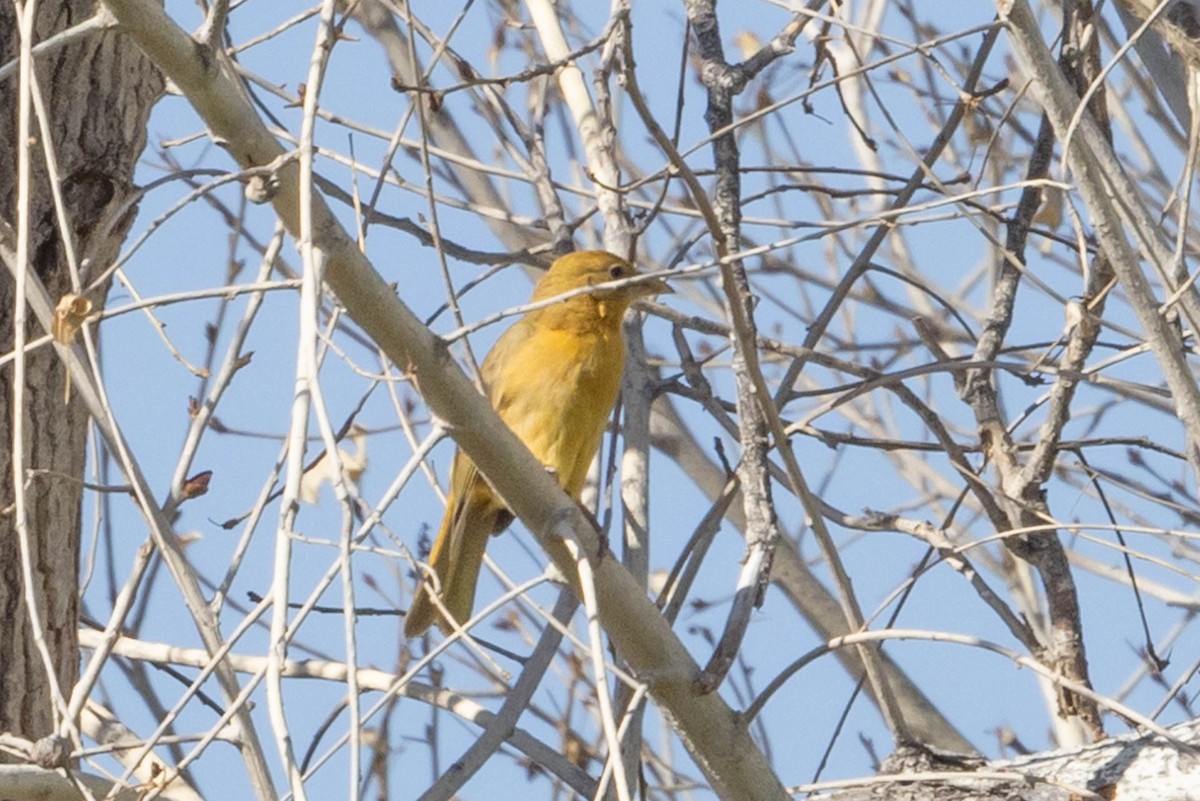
[{"x": 654, "y": 287}]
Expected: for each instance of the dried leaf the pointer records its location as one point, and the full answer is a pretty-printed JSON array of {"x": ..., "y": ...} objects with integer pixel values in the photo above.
[
  {"x": 353, "y": 465},
  {"x": 747, "y": 43},
  {"x": 1051, "y": 212},
  {"x": 69, "y": 315},
  {"x": 301, "y": 91}
]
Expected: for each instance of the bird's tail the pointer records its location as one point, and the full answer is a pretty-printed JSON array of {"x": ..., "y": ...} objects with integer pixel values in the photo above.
[{"x": 456, "y": 560}]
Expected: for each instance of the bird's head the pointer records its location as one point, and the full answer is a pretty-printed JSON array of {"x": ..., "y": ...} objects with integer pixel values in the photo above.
[{"x": 587, "y": 268}]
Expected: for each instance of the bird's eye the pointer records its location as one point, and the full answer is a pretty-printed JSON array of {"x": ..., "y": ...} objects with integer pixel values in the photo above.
[{"x": 616, "y": 271}]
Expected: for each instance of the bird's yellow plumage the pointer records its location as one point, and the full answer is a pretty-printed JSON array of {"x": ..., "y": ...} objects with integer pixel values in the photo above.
[{"x": 553, "y": 378}]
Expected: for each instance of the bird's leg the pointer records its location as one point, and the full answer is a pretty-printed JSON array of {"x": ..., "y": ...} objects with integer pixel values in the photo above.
[{"x": 603, "y": 550}]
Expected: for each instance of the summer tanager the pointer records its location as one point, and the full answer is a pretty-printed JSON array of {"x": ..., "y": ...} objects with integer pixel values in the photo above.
[{"x": 553, "y": 378}]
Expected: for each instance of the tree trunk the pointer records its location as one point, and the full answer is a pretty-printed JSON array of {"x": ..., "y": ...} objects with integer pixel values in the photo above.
[{"x": 98, "y": 90}]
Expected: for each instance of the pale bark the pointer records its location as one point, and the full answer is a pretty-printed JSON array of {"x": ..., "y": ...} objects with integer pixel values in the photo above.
[{"x": 1132, "y": 767}]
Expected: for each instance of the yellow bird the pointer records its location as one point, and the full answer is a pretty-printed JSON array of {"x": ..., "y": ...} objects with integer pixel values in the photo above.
[{"x": 553, "y": 378}]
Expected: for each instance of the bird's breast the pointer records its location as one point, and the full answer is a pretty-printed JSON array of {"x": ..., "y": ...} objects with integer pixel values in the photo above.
[{"x": 556, "y": 394}]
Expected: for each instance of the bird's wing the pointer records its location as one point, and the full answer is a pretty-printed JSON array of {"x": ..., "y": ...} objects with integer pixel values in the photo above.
[{"x": 496, "y": 380}]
